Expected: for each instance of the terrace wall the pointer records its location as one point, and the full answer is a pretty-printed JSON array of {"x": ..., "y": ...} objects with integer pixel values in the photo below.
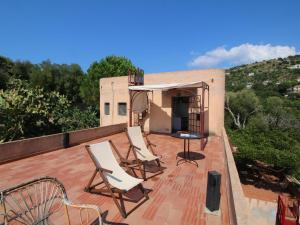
[
  {"x": 237, "y": 204},
  {"x": 15, "y": 150}
]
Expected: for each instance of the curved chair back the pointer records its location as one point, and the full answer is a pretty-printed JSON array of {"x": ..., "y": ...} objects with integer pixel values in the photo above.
[{"x": 35, "y": 202}]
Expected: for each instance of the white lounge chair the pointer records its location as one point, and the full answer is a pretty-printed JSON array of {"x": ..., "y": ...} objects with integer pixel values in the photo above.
[
  {"x": 143, "y": 152},
  {"x": 114, "y": 178}
]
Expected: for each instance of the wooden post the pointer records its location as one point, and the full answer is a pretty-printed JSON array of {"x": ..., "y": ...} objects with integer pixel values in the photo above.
[
  {"x": 202, "y": 118},
  {"x": 130, "y": 108}
]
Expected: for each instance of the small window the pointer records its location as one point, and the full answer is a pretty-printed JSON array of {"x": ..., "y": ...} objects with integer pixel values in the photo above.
[
  {"x": 122, "y": 108},
  {"x": 106, "y": 108}
]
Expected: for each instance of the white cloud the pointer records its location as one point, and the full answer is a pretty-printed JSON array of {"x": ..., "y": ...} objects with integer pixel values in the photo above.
[{"x": 242, "y": 54}]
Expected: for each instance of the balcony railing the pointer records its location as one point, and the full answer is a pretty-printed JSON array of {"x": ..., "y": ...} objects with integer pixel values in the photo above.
[{"x": 136, "y": 77}]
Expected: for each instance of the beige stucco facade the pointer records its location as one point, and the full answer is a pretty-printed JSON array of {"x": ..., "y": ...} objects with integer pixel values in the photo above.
[{"x": 114, "y": 90}]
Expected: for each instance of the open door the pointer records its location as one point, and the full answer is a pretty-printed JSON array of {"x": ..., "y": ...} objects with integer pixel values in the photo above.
[{"x": 180, "y": 114}]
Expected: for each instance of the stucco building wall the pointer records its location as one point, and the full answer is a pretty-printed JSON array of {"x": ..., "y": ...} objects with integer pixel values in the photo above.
[{"x": 114, "y": 90}]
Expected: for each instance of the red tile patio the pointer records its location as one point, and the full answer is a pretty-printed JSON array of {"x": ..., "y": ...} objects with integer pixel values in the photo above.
[{"x": 177, "y": 196}]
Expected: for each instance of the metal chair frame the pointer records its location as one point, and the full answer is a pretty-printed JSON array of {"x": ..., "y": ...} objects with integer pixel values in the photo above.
[{"x": 35, "y": 201}]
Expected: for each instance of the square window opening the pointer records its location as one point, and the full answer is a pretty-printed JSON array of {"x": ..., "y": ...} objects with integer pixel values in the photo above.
[
  {"x": 122, "y": 108},
  {"x": 106, "y": 108}
]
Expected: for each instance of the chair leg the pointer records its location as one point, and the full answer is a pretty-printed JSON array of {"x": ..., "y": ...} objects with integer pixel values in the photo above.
[
  {"x": 123, "y": 211},
  {"x": 143, "y": 191},
  {"x": 158, "y": 163},
  {"x": 120, "y": 205},
  {"x": 133, "y": 172},
  {"x": 141, "y": 168},
  {"x": 109, "y": 188},
  {"x": 88, "y": 187},
  {"x": 67, "y": 215},
  {"x": 144, "y": 171},
  {"x": 128, "y": 152}
]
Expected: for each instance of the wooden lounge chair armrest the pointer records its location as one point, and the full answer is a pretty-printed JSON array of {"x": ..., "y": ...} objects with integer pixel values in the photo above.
[
  {"x": 150, "y": 143},
  {"x": 127, "y": 161},
  {"x": 136, "y": 147},
  {"x": 132, "y": 165},
  {"x": 157, "y": 155},
  {"x": 145, "y": 135},
  {"x": 85, "y": 206},
  {"x": 104, "y": 170}
]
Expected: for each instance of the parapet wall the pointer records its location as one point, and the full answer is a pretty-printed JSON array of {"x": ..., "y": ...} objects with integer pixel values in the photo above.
[
  {"x": 237, "y": 204},
  {"x": 14, "y": 150}
]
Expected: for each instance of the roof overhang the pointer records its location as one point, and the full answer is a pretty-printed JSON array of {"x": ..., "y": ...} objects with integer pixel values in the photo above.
[{"x": 166, "y": 87}]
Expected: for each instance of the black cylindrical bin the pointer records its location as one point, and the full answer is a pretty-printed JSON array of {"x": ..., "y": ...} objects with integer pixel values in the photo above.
[
  {"x": 66, "y": 139},
  {"x": 213, "y": 190}
]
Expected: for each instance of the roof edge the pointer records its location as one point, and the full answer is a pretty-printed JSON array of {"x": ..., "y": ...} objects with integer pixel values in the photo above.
[{"x": 170, "y": 72}]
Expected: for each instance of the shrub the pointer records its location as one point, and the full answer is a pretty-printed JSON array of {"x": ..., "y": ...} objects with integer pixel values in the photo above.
[{"x": 271, "y": 147}]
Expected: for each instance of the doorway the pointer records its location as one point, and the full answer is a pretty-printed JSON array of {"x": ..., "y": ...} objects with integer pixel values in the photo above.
[{"x": 180, "y": 114}]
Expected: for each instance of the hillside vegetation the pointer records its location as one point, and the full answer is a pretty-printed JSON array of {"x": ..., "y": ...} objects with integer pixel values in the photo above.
[
  {"x": 263, "y": 113},
  {"x": 272, "y": 78}
]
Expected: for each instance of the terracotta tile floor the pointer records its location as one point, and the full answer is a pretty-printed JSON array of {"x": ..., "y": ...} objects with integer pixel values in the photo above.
[{"x": 176, "y": 197}]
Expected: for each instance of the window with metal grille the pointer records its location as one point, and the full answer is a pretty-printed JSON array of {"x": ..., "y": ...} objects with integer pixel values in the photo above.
[
  {"x": 122, "y": 108},
  {"x": 106, "y": 108}
]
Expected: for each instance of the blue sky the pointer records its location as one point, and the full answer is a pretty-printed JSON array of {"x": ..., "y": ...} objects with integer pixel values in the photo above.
[{"x": 157, "y": 35}]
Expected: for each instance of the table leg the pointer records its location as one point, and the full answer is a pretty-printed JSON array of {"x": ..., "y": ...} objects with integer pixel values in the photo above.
[
  {"x": 184, "y": 143},
  {"x": 186, "y": 153},
  {"x": 188, "y": 148}
]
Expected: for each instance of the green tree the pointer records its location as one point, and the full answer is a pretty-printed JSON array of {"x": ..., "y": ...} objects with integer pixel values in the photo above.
[
  {"x": 241, "y": 105},
  {"x": 22, "y": 69},
  {"x": 43, "y": 76},
  {"x": 76, "y": 119},
  {"x": 89, "y": 91},
  {"x": 29, "y": 112},
  {"x": 274, "y": 108},
  {"x": 110, "y": 66},
  {"x": 258, "y": 123},
  {"x": 269, "y": 146},
  {"x": 68, "y": 81},
  {"x": 63, "y": 78},
  {"x": 6, "y": 66}
]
